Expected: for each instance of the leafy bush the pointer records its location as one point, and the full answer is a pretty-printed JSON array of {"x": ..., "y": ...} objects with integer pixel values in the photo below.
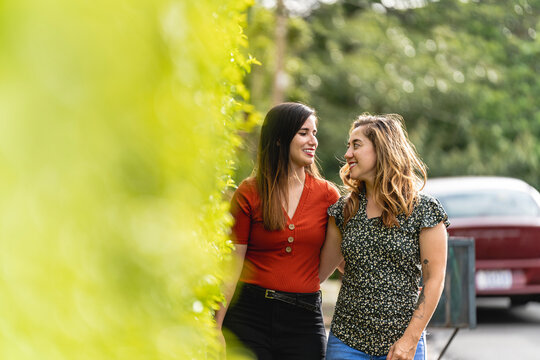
[{"x": 118, "y": 126}]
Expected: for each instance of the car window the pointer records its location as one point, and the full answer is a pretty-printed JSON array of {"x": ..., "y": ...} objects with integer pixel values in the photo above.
[{"x": 489, "y": 203}]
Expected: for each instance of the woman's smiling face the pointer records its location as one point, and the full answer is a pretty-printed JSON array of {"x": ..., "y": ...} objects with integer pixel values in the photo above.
[
  {"x": 304, "y": 143},
  {"x": 361, "y": 156}
]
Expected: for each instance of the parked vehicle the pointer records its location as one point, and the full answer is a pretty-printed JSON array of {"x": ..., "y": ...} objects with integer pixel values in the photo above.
[{"x": 503, "y": 216}]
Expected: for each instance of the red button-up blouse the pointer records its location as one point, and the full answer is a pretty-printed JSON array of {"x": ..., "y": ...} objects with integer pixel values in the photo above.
[{"x": 288, "y": 259}]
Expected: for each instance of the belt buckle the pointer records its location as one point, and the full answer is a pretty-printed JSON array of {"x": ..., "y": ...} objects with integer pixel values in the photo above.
[{"x": 269, "y": 294}]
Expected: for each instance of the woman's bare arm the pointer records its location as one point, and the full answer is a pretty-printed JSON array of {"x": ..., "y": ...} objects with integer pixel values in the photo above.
[
  {"x": 433, "y": 257},
  {"x": 331, "y": 255},
  {"x": 230, "y": 282}
]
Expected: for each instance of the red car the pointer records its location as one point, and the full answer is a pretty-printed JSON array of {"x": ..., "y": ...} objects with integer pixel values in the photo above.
[{"x": 503, "y": 216}]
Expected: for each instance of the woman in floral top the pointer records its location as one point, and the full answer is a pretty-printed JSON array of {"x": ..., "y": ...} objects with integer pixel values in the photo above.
[{"x": 390, "y": 235}]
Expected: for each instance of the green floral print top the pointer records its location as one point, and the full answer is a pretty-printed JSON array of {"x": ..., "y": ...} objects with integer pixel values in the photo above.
[{"x": 379, "y": 289}]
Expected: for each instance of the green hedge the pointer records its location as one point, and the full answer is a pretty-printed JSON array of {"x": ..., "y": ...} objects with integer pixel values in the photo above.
[{"x": 118, "y": 125}]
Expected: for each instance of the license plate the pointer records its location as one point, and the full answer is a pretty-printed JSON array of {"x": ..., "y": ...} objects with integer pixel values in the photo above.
[{"x": 493, "y": 279}]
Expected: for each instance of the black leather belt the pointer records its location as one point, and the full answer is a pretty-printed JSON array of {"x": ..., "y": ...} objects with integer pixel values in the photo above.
[{"x": 309, "y": 301}]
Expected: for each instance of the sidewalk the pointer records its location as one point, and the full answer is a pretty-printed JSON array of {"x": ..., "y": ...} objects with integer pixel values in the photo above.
[{"x": 330, "y": 290}]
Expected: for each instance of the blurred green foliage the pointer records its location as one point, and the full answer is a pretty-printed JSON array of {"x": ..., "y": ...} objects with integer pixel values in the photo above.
[
  {"x": 463, "y": 73},
  {"x": 118, "y": 129}
]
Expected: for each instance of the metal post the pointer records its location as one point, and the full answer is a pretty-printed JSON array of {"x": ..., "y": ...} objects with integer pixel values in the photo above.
[{"x": 448, "y": 343}]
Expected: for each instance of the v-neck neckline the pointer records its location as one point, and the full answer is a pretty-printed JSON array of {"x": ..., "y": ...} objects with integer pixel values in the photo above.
[{"x": 301, "y": 202}]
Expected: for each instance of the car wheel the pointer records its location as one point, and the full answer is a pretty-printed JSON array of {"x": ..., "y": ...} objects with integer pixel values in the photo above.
[{"x": 519, "y": 300}]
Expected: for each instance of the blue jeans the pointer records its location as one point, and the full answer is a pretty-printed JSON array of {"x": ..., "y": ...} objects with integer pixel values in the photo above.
[{"x": 338, "y": 350}]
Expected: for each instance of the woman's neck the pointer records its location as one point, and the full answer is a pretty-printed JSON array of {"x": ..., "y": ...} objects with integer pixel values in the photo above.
[
  {"x": 296, "y": 177},
  {"x": 368, "y": 187},
  {"x": 373, "y": 209}
]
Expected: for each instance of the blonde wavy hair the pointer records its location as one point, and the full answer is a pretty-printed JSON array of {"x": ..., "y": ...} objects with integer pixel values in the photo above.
[{"x": 399, "y": 172}]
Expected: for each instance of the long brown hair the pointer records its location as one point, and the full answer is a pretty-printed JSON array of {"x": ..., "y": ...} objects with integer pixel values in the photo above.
[
  {"x": 280, "y": 126},
  {"x": 399, "y": 174}
]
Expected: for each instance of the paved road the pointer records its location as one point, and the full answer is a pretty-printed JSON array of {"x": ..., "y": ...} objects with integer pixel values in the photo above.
[{"x": 502, "y": 333}]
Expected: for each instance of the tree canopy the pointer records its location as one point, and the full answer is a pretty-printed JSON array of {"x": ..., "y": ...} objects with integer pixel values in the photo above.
[{"x": 464, "y": 75}]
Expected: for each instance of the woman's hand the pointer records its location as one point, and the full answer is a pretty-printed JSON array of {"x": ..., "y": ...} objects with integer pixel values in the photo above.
[{"x": 403, "y": 349}]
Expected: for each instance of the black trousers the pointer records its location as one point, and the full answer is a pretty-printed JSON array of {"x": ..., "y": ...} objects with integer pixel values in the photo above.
[{"x": 266, "y": 325}]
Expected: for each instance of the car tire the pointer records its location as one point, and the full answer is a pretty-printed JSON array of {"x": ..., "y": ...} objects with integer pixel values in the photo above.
[{"x": 519, "y": 300}]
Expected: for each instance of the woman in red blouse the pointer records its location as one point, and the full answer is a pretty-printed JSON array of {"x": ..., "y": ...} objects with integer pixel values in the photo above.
[{"x": 280, "y": 226}]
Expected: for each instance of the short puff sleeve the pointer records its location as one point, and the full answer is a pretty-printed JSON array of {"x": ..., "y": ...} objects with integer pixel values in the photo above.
[
  {"x": 332, "y": 193},
  {"x": 431, "y": 212},
  {"x": 336, "y": 210},
  {"x": 241, "y": 210}
]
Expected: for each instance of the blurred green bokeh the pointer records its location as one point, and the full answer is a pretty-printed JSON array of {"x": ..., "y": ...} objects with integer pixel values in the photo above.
[
  {"x": 463, "y": 73},
  {"x": 118, "y": 124}
]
